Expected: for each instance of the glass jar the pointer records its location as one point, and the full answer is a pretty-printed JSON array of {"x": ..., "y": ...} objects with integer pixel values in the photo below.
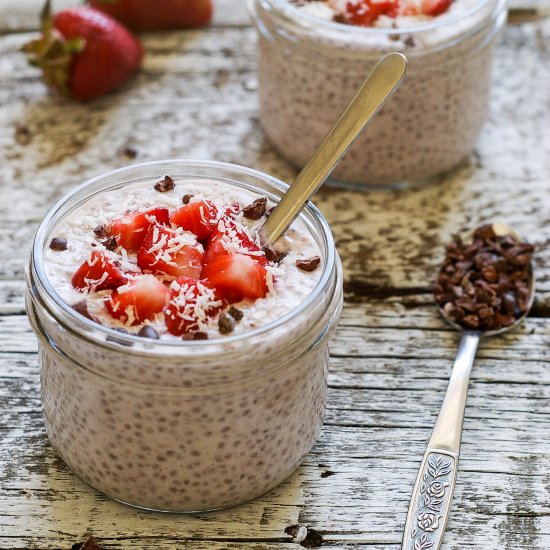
[
  {"x": 310, "y": 68},
  {"x": 191, "y": 425}
]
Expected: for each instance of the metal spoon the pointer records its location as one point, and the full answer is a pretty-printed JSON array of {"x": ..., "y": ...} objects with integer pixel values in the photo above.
[
  {"x": 431, "y": 499},
  {"x": 383, "y": 80}
]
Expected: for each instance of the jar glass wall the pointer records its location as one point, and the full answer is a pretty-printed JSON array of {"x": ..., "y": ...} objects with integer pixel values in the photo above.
[
  {"x": 192, "y": 425},
  {"x": 309, "y": 69}
]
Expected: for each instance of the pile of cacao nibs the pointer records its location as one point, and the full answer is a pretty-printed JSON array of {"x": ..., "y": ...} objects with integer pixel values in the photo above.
[{"x": 484, "y": 285}]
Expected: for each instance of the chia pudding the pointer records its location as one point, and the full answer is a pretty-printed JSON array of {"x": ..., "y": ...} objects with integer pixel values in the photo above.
[
  {"x": 216, "y": 404},
  {"x": 314, "y": 55}
]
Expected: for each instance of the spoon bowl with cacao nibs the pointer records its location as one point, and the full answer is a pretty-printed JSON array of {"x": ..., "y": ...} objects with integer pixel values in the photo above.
[
  {"x": 488, "y": 284},
  {"x": 484, "y": 288}
]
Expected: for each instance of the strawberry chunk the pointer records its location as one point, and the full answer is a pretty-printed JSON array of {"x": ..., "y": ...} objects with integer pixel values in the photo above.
[
  {"x": 130, "y": 229},
  {"x": 236, "y": 276},
  {"x": 201, "y": 218},
  {"x": 141, "y": 298},
  {"x": 435, "y": 7},
  {"x": 190, "y": 304},
  {"x": 365, "y": 12},
  {"x": 229, "y": 238},
  {"x": 98, "y": 272},
  {"x": 166, "y": 251}
]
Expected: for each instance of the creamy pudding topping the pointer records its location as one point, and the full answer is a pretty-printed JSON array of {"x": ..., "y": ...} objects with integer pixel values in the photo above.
[
  {"x": 142, "y": 259},
  {"x": 380, "y": 13}
]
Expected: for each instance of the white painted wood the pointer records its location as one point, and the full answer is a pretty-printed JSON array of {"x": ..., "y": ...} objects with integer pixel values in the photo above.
[{"x": 391, "y": 354}]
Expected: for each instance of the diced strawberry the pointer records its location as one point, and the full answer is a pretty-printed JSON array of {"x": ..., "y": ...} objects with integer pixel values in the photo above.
[
  {"x": 166, "y": 251},
  {"x": 190, "y": 303},
  {"x": 139, "y": 299},
  {"x": 201, "y": 218},
  {"x": 229, "y": 238},
  {"x": 236, "y": 277},
  {"x": 365, "y": 12},
  {"x": 130, "y": 229},
  {"x": 98, "y": 273},
  {"x": 435, "y": 7}
]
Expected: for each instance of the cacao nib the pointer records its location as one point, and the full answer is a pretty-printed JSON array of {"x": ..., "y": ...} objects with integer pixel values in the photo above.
[
  {"x": 310, "y": 264},
  {"x": 235, "y": 312},
  {"x": 147, "y": 331},
  {"x": 273, "y": 255},
  {"x": 305, "y": 536},
  {"x": 101, "y": 232},
  {"x": 82, "y": 308},
  {"x": 58, "y": 243},
  {"x": 110, "y": 243},
  {"x": 226, "y": 323},
  {"x": 255, "y": 210},
  {"x": 130, "y": 152},
  {"x": 165, "y": 184},
  {"x": 89, "y": 544},
  {"x": 197, "y": 335}
]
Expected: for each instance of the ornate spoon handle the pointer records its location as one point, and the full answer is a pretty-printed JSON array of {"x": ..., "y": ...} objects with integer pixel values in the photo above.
[
  {"x": 433, "y": 492},
  {"x": 431, "y": 501}
]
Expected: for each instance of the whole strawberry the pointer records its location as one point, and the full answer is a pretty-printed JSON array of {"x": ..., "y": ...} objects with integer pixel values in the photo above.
[
  {"x": 84, "y": 53},
  {"x": 153, "y": 15}
]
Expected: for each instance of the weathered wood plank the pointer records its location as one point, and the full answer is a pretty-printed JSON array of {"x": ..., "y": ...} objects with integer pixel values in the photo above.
[{"x": 12, "y": 297}]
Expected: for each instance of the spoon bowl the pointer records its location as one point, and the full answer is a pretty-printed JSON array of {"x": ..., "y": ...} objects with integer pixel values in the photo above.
[{"x": 500, "y": 230}]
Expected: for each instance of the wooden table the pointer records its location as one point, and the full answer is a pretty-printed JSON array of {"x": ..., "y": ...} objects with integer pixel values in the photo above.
[{"x": 391, "y": 355}]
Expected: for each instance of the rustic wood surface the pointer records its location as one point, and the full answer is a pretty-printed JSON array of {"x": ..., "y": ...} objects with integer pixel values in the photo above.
[{"x": 391, "y": 354}]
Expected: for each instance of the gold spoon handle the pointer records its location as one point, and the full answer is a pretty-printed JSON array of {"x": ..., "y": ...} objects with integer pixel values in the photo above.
[{"x": 377, "y": 88}]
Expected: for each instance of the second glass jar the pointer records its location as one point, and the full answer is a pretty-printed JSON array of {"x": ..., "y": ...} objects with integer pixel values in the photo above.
[{"x": 309, "y": 69}]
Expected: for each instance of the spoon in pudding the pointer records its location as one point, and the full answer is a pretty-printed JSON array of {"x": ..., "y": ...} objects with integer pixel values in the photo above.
[
  {"x": 484, "y": 289},
  {"x": 383, "y": 80}
]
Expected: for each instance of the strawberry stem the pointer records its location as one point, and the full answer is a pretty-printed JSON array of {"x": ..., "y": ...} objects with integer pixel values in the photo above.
[{"x": 46, "y": 18}]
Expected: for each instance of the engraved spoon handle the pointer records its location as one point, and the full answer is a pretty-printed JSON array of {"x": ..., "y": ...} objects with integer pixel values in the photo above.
[
  {"x": 377, "y": 88},
  {"x": 433, "y": 492}
]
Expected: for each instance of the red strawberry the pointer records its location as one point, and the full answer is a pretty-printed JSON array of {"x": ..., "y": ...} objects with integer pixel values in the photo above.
[
  {"x": 229, "y": 238},
  {"x": 365, "y": 12},
  {"x": 190, "y": 303},
  {"x": 84, "y": 53},
  {"x": 236, "y": 277},
  {"x": 140, "y": 299},
  {"x": 151, "y": 15},
  {"x": 201, "y": 218},
  {"x": 166, "y": 251},
  {"x": 130, "y": 229},
  {"x": 98, "y": 273},
  {"x": 435, "y": 7}
]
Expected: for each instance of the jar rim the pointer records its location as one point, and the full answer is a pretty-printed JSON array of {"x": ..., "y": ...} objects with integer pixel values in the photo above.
[
  {"x": 36, "y": 265},
  {"x": 293, "y": 14}
]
